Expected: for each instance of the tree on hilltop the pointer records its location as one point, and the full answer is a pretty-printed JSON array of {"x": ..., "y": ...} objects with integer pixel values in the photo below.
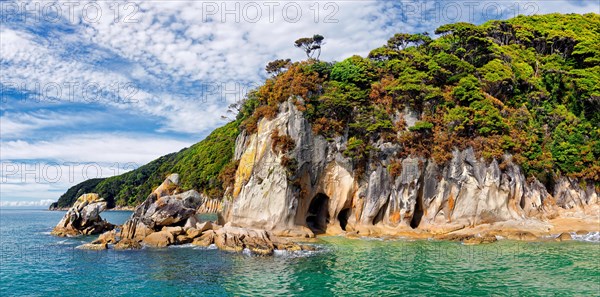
[{"x": 310, "y": 45}]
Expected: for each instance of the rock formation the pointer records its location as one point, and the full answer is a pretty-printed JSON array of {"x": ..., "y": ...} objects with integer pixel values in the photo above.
[
  {"x": 167, "y": 217},
  {"x": 312, "y": 188},
  {"x": 83, "y": 218},
  {"x": 211, "y": 206},
  {"x": 323, "y": 191},
  {"x": 165, "y": 206}
]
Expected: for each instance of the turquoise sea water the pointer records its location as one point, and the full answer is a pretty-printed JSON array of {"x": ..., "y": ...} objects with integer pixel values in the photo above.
[{"x": 35, "y": 263}]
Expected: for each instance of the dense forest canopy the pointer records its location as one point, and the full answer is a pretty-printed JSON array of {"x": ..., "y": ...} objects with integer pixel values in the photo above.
[{"x": 528, "y": 86}]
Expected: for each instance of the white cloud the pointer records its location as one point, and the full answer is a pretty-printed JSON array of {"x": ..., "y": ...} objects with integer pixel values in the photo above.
[
  {"x": 165, "y": 52},
  {"x": 108, "y": 148},
  {"x": 170, "y": 42},
  {"x": 24, "y": 181},
  {"x": 43, "y": 202},
  {"x": 21, "y": 124}
]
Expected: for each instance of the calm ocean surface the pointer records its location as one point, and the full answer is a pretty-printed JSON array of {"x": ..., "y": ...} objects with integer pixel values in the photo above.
[{"x": 35, "y": 263}]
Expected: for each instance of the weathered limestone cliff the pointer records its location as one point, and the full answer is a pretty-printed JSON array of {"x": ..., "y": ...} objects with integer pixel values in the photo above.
[{"x": 312, "y": 188}]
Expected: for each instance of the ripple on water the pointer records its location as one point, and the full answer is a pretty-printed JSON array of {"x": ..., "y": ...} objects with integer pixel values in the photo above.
[
  {"x": 41, "y": 264},
  {"x": 590, "y": 237}
]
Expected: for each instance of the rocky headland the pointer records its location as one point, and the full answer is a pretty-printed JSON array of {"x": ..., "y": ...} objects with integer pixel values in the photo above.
[
  {"x": 324, "y": 195},
  {"x": 467, "y": 200},
  {"x": 485, "y": 132}
]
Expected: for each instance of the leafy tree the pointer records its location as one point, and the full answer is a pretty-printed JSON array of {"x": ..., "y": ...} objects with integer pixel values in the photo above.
[
  {"x": 487, "y": 119},
  {"x": 468, "y": 90},
  {"x": 401, "y": 41},
  {"x": 310, "y": 45},
  {"x": 447, "y": 68},
  {"x": 277, "y": 66},
  {"x": 355, "y": 70},
  {"x": 497, "y": 78},
  {"x": 383, "y": 53},
  {"x": 459, "y": 121}
]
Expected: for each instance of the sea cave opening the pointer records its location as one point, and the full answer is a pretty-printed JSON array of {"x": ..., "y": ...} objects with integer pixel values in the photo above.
[
  {"x": 418, "y": 214},
  {"x": 318, "y": 214},
  {"x": 343, "y": 218}
]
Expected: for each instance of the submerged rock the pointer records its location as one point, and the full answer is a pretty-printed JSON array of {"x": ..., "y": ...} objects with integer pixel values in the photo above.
[
  {"x": 93, "y": 246},
  {"x": 83, "y": 218},
  {"x": 480, "y": 240},
  {"x": 564, "y": 237},
  {"x": 517, "y": 235}
]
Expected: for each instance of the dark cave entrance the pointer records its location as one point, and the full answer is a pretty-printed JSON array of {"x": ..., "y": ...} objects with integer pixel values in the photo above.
[
  {"x": 343, "y": 218},
  {"x": 416, "y": 219},
  {"x": 318, "y": 214}
]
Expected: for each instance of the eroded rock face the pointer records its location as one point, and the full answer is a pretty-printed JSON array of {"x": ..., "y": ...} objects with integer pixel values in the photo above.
[
  {"x": 83, "y": 218},
  {"x": 323, "y": 190},
  {"x": 165, "y": 206},
  {"x": 167, "y": 217},
  {"x": 568, "y": 193}
]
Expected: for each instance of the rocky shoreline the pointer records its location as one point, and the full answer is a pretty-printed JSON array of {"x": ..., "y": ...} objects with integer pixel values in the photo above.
[
  {"x": 561, "y": 229},
  {"x": 168, "y": 217},
  {"x": 270, "y": 206}
]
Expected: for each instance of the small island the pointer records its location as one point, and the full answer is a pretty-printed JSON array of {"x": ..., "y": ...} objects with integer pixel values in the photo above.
[{"x": 486, "y": 132}]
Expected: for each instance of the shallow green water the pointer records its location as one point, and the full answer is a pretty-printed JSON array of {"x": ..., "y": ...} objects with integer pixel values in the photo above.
[{"x": 34, "y": 263}]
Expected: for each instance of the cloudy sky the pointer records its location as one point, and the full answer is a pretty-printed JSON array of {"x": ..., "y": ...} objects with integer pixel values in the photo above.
[{"x": 92, "y": 89}]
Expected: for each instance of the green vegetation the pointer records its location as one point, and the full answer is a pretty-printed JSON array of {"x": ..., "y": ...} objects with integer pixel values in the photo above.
[
  {"x": 201, "y": 167},
  {"x": 528, "y": 86},
  {"x": 310, "y": 45}
]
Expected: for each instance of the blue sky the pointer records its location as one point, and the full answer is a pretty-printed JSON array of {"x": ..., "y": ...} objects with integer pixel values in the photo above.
[{"x": 92, "y": 89}]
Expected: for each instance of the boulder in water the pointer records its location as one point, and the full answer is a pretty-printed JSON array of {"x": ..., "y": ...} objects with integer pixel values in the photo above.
[
  {"x": 93, "y": 246},
  {"x": 83, "y": 218},
  {"x": 164, "y": 207},
  {"x": 159, "y": 239}
]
